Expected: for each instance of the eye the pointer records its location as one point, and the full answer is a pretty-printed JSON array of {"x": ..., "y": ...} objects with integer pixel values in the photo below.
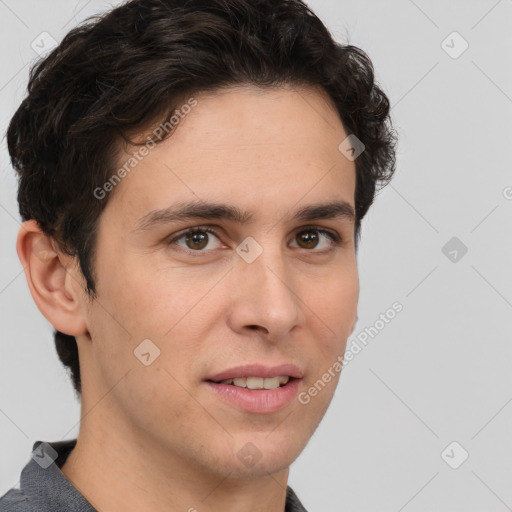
[
  {"x": 196, "y": 239},
  {"x": 310, "y": 238}
]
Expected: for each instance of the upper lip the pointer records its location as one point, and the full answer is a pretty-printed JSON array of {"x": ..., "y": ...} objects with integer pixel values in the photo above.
[{"x": 258, "y": 370}]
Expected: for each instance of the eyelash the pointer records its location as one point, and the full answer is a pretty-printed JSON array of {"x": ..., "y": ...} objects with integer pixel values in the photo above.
[{"x": 335, "y": 238}]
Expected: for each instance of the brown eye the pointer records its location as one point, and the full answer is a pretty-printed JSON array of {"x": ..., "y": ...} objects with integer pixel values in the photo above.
[
  {"x": 308, "y": 238},
  {"x": 196, "y": 240},
  {"x": 311, "y": 238}
]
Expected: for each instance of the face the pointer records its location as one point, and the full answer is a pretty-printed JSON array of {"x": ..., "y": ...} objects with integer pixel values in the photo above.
[{"x": 177, "y": 310}]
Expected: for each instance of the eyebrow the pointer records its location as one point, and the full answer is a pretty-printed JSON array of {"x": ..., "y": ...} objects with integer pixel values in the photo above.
[{"x": 202, "y": 210}]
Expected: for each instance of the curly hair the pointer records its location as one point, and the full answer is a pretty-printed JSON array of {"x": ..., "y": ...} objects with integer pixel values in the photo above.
[{"x": 123, "y": 70}]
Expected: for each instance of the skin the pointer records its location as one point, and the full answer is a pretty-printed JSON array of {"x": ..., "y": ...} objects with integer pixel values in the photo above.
[{"x": 156, "y": 437}]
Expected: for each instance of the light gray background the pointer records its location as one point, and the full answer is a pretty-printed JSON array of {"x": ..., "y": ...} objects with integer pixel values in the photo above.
[{"x": 441, "y": 370}]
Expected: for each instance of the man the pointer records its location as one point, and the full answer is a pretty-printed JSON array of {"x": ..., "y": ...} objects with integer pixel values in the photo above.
[{"x": 193, "y": 176}]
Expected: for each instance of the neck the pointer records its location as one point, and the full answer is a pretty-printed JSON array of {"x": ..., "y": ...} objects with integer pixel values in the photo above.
[{"x": 117, "y": 469}]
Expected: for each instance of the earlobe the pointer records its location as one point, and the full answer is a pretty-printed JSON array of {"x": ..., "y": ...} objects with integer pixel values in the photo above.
[{"x": 54, "y": 288}]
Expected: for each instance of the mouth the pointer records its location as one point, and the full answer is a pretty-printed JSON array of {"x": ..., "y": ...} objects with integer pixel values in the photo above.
[
  {"x": 256, "y": 383},
  {"x": 252, "y": 373},
  {"x": 257, "y": 389}
]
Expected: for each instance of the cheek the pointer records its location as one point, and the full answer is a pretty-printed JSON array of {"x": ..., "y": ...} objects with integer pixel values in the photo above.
[
  {"x": 334, "y": 307},
  {"x": 331, "y": 319},
  {"x": 157, "y": 306},
  {"x": 155, "y": 395},
  {"x": 140, "y": 301}
]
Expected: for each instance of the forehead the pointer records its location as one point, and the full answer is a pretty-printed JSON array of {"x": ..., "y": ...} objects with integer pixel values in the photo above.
[{"x": 257, "y": 147}]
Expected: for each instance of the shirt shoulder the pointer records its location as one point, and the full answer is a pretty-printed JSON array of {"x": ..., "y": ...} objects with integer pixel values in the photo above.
[
  {"x": 14, "y": 501},
  {"x": 293, "y": 503},
  {"x": 43, "y": 487}
]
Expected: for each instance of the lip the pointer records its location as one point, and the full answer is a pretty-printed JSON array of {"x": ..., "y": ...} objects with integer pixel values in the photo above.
[
  {"x": 258, "y": 370},
  {"x": 259, "y": 401}
]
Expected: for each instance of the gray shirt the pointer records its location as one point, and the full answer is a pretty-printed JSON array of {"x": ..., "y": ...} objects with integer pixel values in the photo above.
[{"x": 45, "y": 488}]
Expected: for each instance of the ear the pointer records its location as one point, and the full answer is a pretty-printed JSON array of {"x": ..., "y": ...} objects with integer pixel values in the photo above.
[{"x": 53, "y": 280}]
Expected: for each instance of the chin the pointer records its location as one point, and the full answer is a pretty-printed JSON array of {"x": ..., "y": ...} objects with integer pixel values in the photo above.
[{"x": 260, "y": 454}]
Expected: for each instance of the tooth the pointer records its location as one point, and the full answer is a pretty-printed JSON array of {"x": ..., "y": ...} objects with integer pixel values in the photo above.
[
  {"x": 258, "y": 382},
  {"x": 240, "y": 382},
  {"x": 271, "y": 383},
  {"x": 254, "y": 382}
]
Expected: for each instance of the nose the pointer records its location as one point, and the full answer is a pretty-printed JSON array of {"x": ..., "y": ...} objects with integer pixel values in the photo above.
[{"x": 265, "y": 297}]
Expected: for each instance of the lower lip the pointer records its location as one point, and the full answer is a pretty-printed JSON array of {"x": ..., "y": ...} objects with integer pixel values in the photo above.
[{"x": 262, "y": 401}]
